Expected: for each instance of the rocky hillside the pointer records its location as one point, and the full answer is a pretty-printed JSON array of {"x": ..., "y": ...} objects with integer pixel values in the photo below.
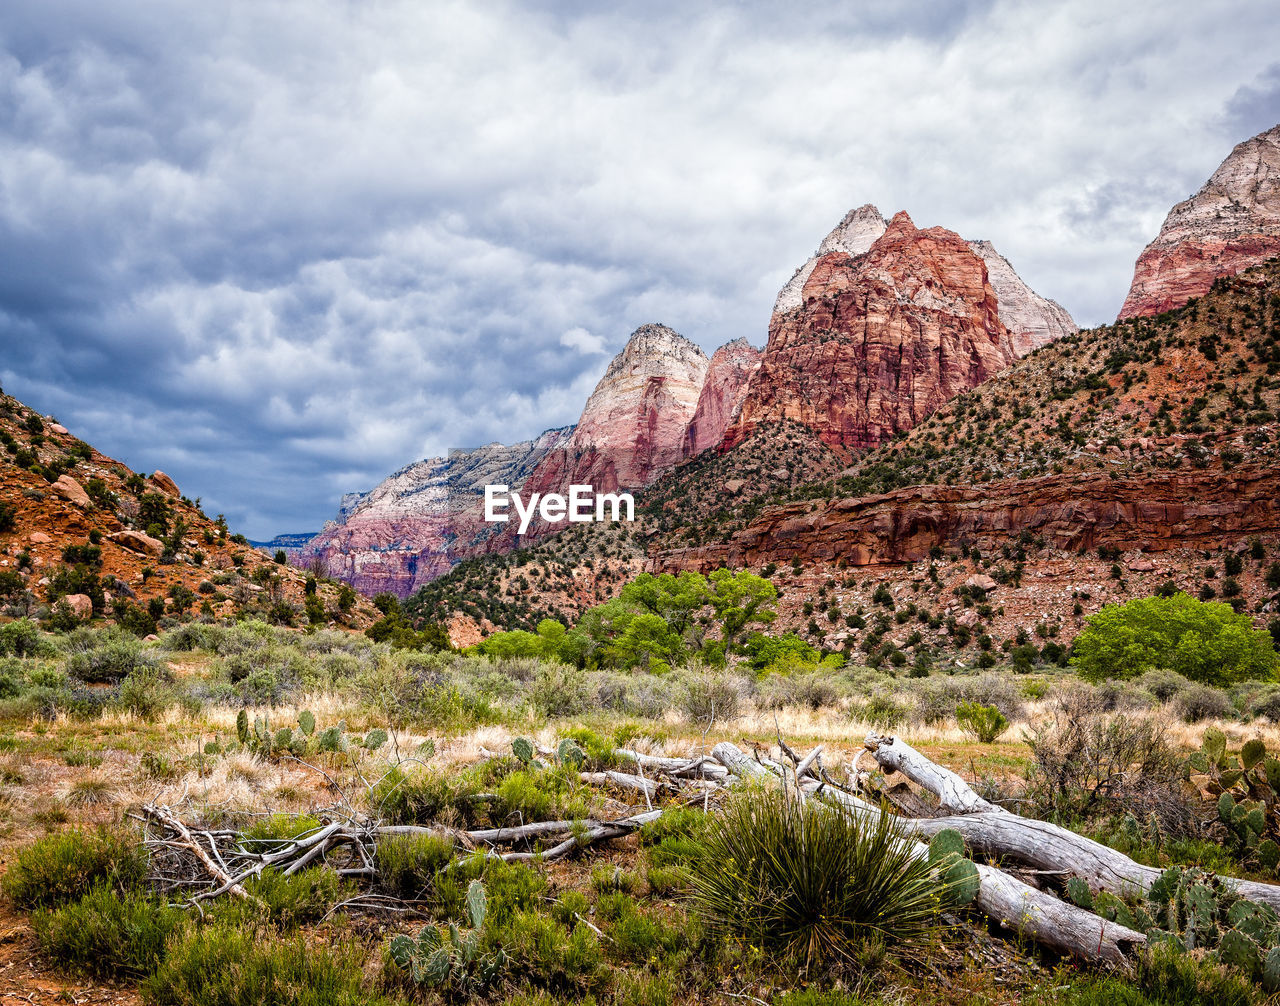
[
  {"x": 1232, "y": 223},
  {"x": 82, "y": 536},
  {"x": 881, "y": 338}
]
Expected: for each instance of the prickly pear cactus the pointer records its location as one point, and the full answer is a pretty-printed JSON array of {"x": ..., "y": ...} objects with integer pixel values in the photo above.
[
  {"x": 1078, "y": 891},
  {"x": 570, "y": 753},
  {"x": 946, "y": 854},
  {"x": 307, "y": 722},
  {"x": 242, "y": 726},
  {"x": 522, "y": 748}
]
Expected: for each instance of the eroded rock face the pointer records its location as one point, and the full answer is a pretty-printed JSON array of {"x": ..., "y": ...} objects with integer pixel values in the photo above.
[
  {"x": 415, "y": 524},
  {"x": 633, "y": 426},
  {"x": 1156, "y": 512},
  {"x": 1232, "y": 223},
  {"x": 722, "y": 393},
  {"x": 1033, "y": 321},
  {"x": 71, "y": 491},
  {"x": 879, "y": 340}
]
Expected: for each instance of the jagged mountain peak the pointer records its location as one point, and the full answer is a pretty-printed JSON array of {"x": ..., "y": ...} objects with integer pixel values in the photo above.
[{"x": 1230, "y": 224}]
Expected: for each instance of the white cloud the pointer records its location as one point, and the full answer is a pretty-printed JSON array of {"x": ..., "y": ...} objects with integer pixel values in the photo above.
[
  {"x": 582, "y": 340},
  {"x": 270, "y": 243}
]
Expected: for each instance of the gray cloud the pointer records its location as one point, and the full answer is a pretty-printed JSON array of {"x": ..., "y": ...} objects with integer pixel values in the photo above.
[{"x": 281, "y": 249}]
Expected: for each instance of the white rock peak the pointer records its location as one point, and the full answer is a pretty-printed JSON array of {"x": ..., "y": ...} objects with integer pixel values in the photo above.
[{"x": 853, "y": 235}]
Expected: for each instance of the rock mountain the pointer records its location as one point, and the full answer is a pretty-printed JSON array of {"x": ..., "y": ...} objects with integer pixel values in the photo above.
[
  {"x": 879, "y": 327},
  {"x": 884, "y": 324},
  {"x": 1232, "y": 223}
]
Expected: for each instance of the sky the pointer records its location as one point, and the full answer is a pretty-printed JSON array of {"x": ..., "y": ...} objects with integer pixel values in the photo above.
[{"x": 281, "y": 249}]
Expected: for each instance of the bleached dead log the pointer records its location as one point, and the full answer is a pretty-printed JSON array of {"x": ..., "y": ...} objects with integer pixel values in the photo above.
[
  {"x": 740, "y": 764},
  {"x": 171, "y": 821},
  {"x": 893, "y": 754},
  {"x": 998, "y": 833},
  {"x": 649, "y": 787},
  {"x": 1034, "y": 915},
  {"x": 807, "y": 762},
  {"x": 581, "y": 839},
  {"x": 675, "y": 766}
]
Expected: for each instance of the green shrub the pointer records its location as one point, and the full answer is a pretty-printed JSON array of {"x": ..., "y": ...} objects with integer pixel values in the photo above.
[
  {"x": 983, "y": 722},
  {"x": 21, "y": 638},
  {"x": 302, "y": 897},
  {"x": 812, "y": 881},
  {"x": 545, "y": 953},
  {"x": 109, "y": 656},
  {"x": 223, "y": 965},
  {"x": 1207, "y": 643},
  {"x": 107, "y": 934},
  {"x": 407, "y": 864},
  {"x": 63, "y": 867}
]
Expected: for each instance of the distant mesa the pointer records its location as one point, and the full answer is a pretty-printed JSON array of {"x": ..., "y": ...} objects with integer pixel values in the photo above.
[{"x": 1232, "y": 223}]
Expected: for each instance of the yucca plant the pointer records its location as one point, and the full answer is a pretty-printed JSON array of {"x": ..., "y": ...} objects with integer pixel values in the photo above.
[{"x": 813, "y": 880}]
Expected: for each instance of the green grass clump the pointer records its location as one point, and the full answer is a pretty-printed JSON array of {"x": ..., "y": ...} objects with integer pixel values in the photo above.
[
  {"x": 269, "y": 831},
  {"x": 229, "y": 965},
  {"x": 63, "y": 867},
  {"x": 560, "y": 959},
  {"x": 302, "y": 897},
  {"x": 812, "y": 881},
  {"x": 108, "y": 934},
  {"x": 407, "y": 864}
]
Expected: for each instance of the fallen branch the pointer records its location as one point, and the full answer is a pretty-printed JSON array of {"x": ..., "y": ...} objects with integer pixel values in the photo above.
[{"x": 998, "y": 833}]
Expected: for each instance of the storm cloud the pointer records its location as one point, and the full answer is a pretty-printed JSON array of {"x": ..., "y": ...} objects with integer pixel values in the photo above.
[{"x": 281, "y": 249}]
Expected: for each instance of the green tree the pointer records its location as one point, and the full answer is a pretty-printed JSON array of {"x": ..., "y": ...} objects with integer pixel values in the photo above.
[
  {"x": 1206, "y": 642},
  {"x": 740, "y": 599},
  {"x": 677, "y": 599}
]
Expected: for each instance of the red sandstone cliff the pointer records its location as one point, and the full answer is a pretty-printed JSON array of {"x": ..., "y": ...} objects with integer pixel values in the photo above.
[
  {"x": 1076, "y": 512},
  {"x": 722, "y": 393},
  {"x": 1232, "y": 223},
  {"x": 879, "y": 340}
]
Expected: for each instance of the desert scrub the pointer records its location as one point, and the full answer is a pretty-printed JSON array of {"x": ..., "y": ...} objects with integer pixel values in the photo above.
[
  {"x": 812, "y": 881},
  {"x": 63, "y": 867},
  {"x": 107, "y": 934},
  {"x": 407, "y": 864},
  {"x": 217, "y": 964}
]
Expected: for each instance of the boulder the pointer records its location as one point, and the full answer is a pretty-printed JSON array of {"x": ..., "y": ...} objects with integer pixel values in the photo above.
[
  {"x": 39, "y": 538},
  {"x": 734, "y": 486},
  {"x": 981, "y": 581},
  {"x": 57, "y": 428},
  {"x": 81, "y": 604},
  {"x": 165, "y": 484},
  {"x": 1141, "y": 566},
  {"x": 71, "y": 491},
  {"x": 136, "y": 541}
]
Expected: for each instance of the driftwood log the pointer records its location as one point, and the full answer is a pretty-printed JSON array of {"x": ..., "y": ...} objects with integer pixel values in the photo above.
[{"x": 1000, "y": 834}]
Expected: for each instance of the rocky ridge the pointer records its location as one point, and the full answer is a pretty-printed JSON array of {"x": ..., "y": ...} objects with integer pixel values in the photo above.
[
  {"x": 78, "y": 527},
  {"x": 633, "y": 427},
  {"x": 1232, "y": 223}
]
